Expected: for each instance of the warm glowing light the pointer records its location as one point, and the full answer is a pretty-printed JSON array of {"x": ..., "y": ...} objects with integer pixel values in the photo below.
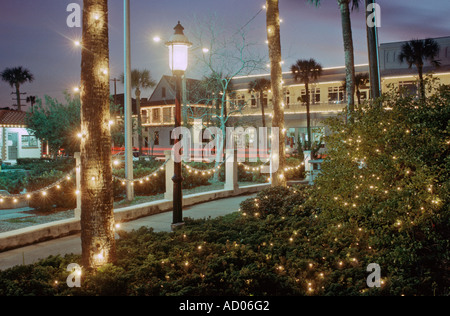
[
  {"x": 178, "y": 56},
  {"x": 157, "y": 39},
  {"x": 77, "y": 43},
  {"x": 205, "y": 50}
]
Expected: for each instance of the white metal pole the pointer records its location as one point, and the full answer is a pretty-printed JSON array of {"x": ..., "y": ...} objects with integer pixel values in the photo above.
[
  {"x": 78, "y": 182},
  {"x": 128, "y": 104}
]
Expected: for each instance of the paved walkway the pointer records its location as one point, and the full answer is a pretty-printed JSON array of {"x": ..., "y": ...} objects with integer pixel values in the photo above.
[
  {"x": 159, "y": 222},
  {"x": 14, "y": 213}
]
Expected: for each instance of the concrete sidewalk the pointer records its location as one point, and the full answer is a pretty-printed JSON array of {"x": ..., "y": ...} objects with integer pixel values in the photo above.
[{"x": 160, "y": 223}]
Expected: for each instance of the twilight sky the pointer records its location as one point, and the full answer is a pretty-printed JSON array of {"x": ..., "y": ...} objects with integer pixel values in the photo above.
[{"x": 34, "y": 34}]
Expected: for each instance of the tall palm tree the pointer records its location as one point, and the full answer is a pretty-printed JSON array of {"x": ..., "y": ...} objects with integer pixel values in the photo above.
[
  {"x": 417, "y": 52},
  {"x": 97, "y": 211},
  {"x": 344, "y": 7},
  {"x": 307, "y": 71},
  {"x": 276, "y": 75},
  {"x": 15, "y": 77},
  {"x": 259, "y": 86},
  {"x": 31, "y": 99},
  {"x": 140, "y": 79},
  {"x": 361, "y": 80}
]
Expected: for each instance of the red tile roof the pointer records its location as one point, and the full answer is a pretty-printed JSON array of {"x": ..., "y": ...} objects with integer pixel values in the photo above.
[{"x": 12, "y": 118}]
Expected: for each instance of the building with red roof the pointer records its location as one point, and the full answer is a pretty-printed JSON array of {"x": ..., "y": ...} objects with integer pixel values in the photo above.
[{"x": 15, "y": 140}]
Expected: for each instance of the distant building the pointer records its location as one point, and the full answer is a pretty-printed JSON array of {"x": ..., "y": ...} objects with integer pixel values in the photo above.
[
  {"x": 327, "y": 99},
  {"x": 16, "y": 141},
  {"x": 327, "y": 95},
  {"x": 158, "y": 113}
]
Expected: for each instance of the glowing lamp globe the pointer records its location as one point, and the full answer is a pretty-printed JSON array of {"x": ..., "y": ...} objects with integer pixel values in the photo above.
[{"x": 178, "y": 50}]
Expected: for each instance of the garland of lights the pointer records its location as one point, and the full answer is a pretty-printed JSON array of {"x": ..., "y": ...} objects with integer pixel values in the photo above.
[
  {"x": 42, "y": 191},
  {"x": 202, "y": 172},
  {"x": 146, "y": 178}
]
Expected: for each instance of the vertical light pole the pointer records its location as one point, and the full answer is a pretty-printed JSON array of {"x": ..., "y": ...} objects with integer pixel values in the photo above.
[
  {"x": 128, "y": 105},
  {"x": 178, "y": 61}
]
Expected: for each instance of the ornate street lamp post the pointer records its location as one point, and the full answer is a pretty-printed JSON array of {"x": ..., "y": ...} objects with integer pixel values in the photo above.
[{"x": 178, "y": 61}]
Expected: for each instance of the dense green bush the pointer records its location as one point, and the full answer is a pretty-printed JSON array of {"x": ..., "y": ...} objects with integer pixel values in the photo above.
[
  {"x": 13, "y": 181},
  {"x": 291, "y": 251},
  {"x": 384, "y": 191},
  {"x": 234, "y": 255},
  {"x": 36, "y": 174},
  {"x": 275, "y": 201}
]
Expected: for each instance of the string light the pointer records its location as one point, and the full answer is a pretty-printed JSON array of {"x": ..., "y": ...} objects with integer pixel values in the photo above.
[{"x": 43, "y": 192}]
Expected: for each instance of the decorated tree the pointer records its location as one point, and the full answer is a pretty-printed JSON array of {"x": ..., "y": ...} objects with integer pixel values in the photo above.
[
  {"x": 97, "y": 212},
  {"x": 276, "y": 78},
  {"x": 384, "y": 192}
]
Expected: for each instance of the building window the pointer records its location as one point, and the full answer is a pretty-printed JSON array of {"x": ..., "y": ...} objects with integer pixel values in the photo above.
[
  {"x": 241, "y": 102},
  {"x": 264, "y": 101},
  {"x": 156, "y": 115},
  {"x": 29, "y": 141},
  {"x": 167, "y": 115},
  {"x": 163, "y": 92},
  {"x": 408, "y": 88},
  {"x": 144, "y": 116},
  {"x": 302, "y": 98},
  {"x": 336, "y": 94},
  {"x": 287, "y": 98},
  {"x": 254, "y": 103},
  {"x": 315, "y": 96},
  {"x": 156, "y": 138}
]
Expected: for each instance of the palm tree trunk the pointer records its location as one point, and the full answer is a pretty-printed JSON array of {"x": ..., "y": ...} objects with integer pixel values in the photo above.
[
  {"x": 308, "y": 117},
  {"x": 349, "y": 56},
  {"x": 273, "y": 37},
  {"x": 421, "y": 82},
  {"x": 97, "y": 214},
  {"x": 19, "y": 105}
]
